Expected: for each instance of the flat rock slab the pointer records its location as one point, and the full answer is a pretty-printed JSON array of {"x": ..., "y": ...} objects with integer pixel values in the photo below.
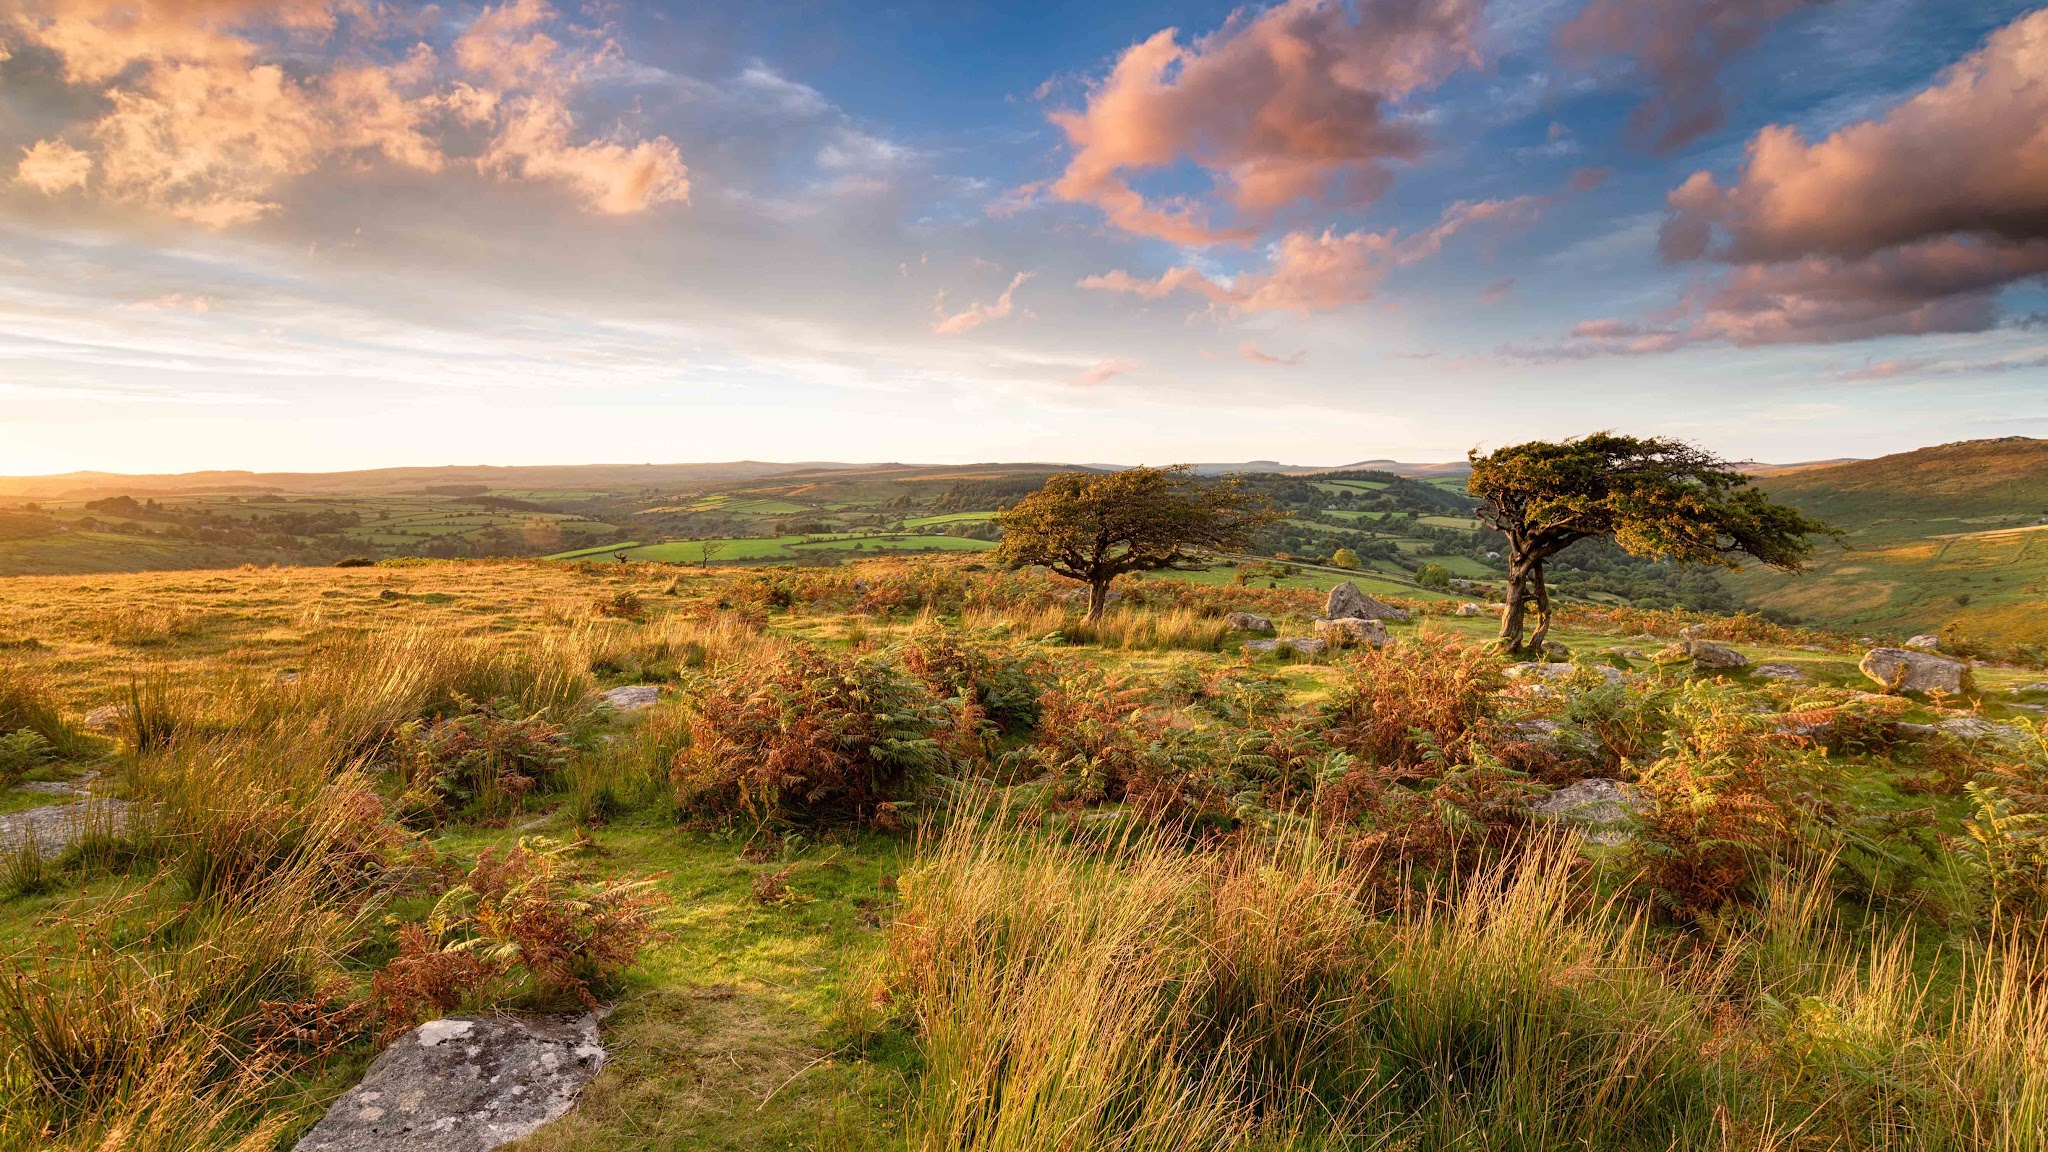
[
  {"x": 463, "y": 1084},
  {"x": 1605, "y": 810},
  {"x": 632, "y": 697},
  {"x": 53, "y": 827}
]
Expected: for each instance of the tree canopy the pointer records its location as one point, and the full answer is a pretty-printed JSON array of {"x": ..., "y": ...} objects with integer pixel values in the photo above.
[
  {"x": 1096, "y": 527},
  {"x": 1656, "y": 497}
]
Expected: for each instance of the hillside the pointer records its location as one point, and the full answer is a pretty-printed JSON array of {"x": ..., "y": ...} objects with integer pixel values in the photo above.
[{"x": 1953, "y": 536}]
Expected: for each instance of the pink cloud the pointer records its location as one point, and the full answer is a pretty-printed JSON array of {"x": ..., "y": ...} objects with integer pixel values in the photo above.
[
  {"x": 1299, "y": 103},
  {"x": 212, "y": 107},
  {"x": 1318, "y": 272},
  {"x": 1678, "y": 48},
  {"x": 1498, "y": 292},
  {"x": 978, "y": 313},
  {"x": 1906, "y": 225},
  {"x": 1249, "y": 350},
  {"x": 1102, "y": 371}
]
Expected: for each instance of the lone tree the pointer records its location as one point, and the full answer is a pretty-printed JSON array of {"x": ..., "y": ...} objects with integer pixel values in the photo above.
[
  {"x": 1654, "y": 497},
  {"x": 1095, "y": 528}
]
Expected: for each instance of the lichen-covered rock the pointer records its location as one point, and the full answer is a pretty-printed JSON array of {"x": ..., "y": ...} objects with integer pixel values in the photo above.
[
  {"x": 1976, "y": 728},
  {"x": 1789, "y": 672},
  {"x": 631, "y": 697},
  {"x": 1903, "y": 670},
  {"x": 1248, "y": 622},
  {"x": 1350, "y": 630},
  {"x": 464, "y": 1084},
  {"x": 54, "y": 827},
  {"x": 1719, "y": 657},
  {"x": 1925, "y": 642},
  {"x": 1305, "y": 645},
  {"x": 1604, "y": 810},
  {"x": 1471, "y": 610},
  {"x": 1560, "y": 670},
  {"x": 1346, "y": 602}
]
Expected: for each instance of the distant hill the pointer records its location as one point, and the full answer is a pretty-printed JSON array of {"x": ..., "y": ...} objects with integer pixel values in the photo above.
[
  {"x": 89, "y": 485},
  {"x": 1953, "y": 535}
]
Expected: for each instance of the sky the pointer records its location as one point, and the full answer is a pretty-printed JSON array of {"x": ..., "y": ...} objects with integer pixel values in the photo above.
[{"x": 335, "y": 234}]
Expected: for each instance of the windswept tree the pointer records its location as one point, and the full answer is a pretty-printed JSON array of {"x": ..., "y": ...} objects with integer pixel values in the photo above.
[
  {"x": 1094, "y": 528},
  {"x": 1654, "y": 497}
]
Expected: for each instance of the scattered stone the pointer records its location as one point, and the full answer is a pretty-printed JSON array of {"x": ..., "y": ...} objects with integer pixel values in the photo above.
[
  {"x": 1248, "y": 622},
  {"x": 1628, "y": 653},
  {"x": 1703, "y": 654},
  {"x": 1529, "y": 670},
  {"x": 1925, "y": 642},
  {"x": 1975, "y": 728},
  {"x": 1351, "y": 630},
  {"x": 287, "y": 677},
  {"x": 54, "y": 827},
  {"x": 106, "y": 718},
  {"x": 1471, "y": 610},
  {"x": 76, "y": 786},
  {"x": 1902, "y": 670},
  {"x": 1557, "y": 652},
  {"x": 1346, "y": 602},
  {"x": 1604, "y": 809},
  {"x": 1305, "y": 645},
  {"x": 1792, "y": 672},
  {"x": 1720, "y": 657},
  {"x": 464, "y": 1084},
  {"x": 2026, "y": 688},
  {"x": 631, "y": 697}
]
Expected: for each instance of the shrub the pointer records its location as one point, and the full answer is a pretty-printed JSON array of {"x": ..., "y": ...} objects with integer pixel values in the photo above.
[
  {"x": 519, "y": 925},
  {"x": 1430, "y": 696},
  {"x": 484, "y": 759},
  {"x": 811, "y": 737},
  {"x": 355, "y": 562},
  {"x": 997, "y": 682},
  {"x": 625, "y": 604},
  {"x": 20, "y": 753}
]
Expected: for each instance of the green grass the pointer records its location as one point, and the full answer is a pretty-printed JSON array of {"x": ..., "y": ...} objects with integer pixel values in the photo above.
[
  {"x": 950, "y": 518},
  {"x": 782, "y": 547}
]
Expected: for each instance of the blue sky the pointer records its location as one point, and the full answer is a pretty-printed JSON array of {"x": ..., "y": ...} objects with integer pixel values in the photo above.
[{"x": 327, "y": 234}]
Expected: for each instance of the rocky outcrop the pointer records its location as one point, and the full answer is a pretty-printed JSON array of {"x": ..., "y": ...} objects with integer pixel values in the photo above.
[
  {"x": 1558, "y": 671},
  {"x": 1925, "y": 642},
  {"x": 464, "y": 1084},
  {"x": 1348, "y": 631},
  {"x": 631, "y": 697},
  {"x": 1346, "y": 602},
  {"x": 1604, "y": 810},
  {"x": 1471, "y": 610},
  {"x": 1903, "y": 670},
  {"x": 1248, "y": 622}
]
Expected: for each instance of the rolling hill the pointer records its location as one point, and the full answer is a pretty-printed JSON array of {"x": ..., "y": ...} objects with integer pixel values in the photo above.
[{"x": 1954, "y": 536}]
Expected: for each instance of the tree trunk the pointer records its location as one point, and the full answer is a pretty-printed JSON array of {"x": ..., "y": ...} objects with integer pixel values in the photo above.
[
  {"x": 1541, "y": 591},
  {"x": 1518, "y": 606},
  {"x": 1098, "y": 599}
]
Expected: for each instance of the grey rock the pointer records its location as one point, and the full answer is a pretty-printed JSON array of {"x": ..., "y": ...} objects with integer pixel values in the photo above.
[
  {"x": 1306, "y": 645},
  {"x": 1925, "y": 642},
  {"x": 1350, "y": 630},
  {"x": 1248, "y": 622},
  {"x": 55, "y": 827},
  {"x": 1471, "y": 610},
  {"x": 1975, "y": 728},
  {"x": 1556, "y": 652},
  {"x": 1346, "y": 602},
  {"x": 1629, "y": 653},
  {"x": 463, "y": 1084},
  {"x": 2026, "y": 688},
  {"x": 1605, "y": 810},
  {"x": 1792, "y": 672},
  {"x": 80, "y": 785},
  {"x": 1720, "y": 657},
  {"x": 631, "y": 697},
  {"x": 1903, "y": 670}
]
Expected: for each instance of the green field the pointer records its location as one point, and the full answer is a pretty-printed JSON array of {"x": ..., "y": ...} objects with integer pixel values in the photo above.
[
  {"x": 729, "y": 550},
  {"x": 950, "y": 518}
]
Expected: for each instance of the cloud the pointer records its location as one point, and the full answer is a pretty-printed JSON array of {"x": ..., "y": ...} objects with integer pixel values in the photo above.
[
  {"x": 1498, "y": 292},
  {"x": 1249, "y": 350},
  {"x": 1908, "y": 225},
  {"x": 978, "y": 313},
  {"x": 1299, "y": 103},
  {"x": 1102, "y": 371},
  {"x": 211, "y": 108},
  {"x": 1317, "y": 272},
  {"x": 52, "y": 166},
  {"x": 1678, "y": 48}
]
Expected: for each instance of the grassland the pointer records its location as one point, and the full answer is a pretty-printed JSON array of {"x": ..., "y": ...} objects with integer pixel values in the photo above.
[{"x": 1153, "y": 892}]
